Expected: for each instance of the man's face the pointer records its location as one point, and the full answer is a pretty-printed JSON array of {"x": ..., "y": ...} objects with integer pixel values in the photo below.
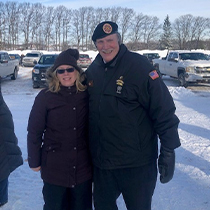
[{"x": 108, "y": 47}]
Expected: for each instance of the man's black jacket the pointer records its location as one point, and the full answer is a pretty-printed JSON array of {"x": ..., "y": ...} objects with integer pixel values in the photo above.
[{"x": 130, "y": 107}]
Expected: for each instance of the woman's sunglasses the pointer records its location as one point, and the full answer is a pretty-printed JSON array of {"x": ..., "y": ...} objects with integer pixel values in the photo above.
[{"x": 61, "y": 71}]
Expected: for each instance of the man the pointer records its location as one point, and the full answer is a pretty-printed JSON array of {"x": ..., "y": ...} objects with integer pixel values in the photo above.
[{"x": 130, "y": 107}]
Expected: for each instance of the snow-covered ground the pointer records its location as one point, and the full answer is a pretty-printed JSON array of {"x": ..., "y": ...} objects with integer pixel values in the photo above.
[{"x": 190, "y": 187}]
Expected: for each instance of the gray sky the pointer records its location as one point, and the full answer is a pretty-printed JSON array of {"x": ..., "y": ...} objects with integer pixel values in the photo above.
[{"x": 159, "y": 8}]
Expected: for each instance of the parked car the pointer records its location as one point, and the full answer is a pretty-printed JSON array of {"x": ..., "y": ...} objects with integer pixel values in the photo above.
[
  {"x": 15, "y": 56},
  {"x": 151, "y": 56},
  {"x": 186, "y": 66},
  {"x": 39, "y": 70},
  {"x": 8, "y": 67},
  {"x": 29, "y": 59},
  {"x": 84, "y": 60}
]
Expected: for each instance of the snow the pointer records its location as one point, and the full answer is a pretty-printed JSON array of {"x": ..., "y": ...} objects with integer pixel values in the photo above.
[{"x": 190, "y": 187}]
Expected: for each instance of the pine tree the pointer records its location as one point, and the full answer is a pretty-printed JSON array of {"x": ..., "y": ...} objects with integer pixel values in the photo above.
[{"x": 166, "y": 40}]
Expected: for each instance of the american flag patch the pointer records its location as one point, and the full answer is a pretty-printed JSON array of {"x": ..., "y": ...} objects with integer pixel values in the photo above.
[{"x": 154, "y": 75}]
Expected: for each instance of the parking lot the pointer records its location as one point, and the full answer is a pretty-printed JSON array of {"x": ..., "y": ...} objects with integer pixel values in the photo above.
[{"x": 23, "y": 84}]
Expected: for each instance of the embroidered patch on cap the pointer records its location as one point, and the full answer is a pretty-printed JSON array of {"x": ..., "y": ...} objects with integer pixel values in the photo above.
[
  {"x": 107, "y": 28},
  {"x": 154, "y": 75}
]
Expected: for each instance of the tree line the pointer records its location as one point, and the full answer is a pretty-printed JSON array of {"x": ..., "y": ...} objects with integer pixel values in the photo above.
[{"x": 35, "y": 26}]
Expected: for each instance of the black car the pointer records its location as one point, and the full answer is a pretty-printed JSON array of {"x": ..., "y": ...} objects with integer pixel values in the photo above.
[
  {"x": 39, "y": 70},
  {"x": 151, "y": 56}
]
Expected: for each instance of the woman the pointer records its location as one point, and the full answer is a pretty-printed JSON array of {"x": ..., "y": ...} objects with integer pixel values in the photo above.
[
  {"x": 57, "y": 137},
  {"x": 10, "y": 153}
]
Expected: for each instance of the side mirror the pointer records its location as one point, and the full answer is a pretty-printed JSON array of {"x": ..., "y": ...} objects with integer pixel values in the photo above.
[
  {"x": 173, "y": 59},
  {"x": 35, "y": 62},
  {"x": 176, "y": 59}
]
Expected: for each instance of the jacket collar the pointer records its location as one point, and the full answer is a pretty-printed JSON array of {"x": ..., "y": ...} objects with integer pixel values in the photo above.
[{"x": 71, "y": 89}]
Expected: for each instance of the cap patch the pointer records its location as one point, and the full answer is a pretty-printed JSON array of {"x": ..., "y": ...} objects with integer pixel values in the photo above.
[
  {"x": 107, "y": 28},
  {"x": 154, "y": 75}
]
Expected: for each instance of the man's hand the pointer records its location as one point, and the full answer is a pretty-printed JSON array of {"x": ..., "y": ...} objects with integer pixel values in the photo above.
[
  {"x": 166, "y": 164},
  {"x": 36, "y": 169}
]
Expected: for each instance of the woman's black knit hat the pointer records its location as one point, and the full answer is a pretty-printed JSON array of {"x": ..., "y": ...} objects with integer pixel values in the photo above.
[{"x": 67, "y": 57}]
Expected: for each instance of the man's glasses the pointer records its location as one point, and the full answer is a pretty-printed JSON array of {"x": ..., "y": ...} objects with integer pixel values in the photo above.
[{"x": 61, "y": 71}]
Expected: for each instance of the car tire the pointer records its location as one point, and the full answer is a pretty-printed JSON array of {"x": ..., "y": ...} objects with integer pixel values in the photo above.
[
  {"x": 14, "y": 75},
  {"x": 182, "y": 81},
  {"x": 35, "y": 85}
]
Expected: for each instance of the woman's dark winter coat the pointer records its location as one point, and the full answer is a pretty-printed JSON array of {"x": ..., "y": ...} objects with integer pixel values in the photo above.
[
  {"x": 57, "y": 137},
  {"x": 10, "y": 153}
]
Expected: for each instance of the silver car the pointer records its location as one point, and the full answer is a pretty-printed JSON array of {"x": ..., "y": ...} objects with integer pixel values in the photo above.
[{"x": 31, "y": 58}]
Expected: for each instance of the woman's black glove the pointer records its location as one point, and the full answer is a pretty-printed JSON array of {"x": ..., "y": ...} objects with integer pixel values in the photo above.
[{"x": 166, "y": 164}]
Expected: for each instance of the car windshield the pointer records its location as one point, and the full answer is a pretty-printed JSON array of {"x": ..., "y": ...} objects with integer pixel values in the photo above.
[
  {"x": 14, "y": 56},
  {"x": 155, "y": 55},
  {"x": 47, "y": 59},
  {"x": 192, "y": 56},
  {"x": 32, "y": 55},
  {"x": 84, "y": 56}
]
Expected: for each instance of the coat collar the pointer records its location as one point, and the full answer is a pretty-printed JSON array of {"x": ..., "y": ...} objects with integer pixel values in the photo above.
[{"x": 72, "y": 89}]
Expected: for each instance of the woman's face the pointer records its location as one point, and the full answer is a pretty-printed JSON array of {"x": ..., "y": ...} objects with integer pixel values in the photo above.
[{"x": 66, "y": 75}]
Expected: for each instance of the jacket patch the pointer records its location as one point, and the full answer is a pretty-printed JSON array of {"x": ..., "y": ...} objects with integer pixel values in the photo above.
[
  {"x": 120, "y": 84},
  {"x": 154, "y": 75}
]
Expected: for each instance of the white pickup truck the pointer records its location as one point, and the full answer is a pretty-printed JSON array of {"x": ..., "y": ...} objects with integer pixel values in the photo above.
[
  {"x": 8, "y": 66},
  {"x": 186, "y": 66}
]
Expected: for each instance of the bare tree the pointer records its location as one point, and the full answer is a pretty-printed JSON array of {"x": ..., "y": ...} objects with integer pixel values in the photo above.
[
  {"x": 137, "y": 27},
  {"x": 41, "y": 27},
  {"x": 2, "y": 25},
  {"x": 87, "y": 26},
  {"x": 48, "y": 26},
  {"x": 106, "y": 13},
  {"x": 126, "y": 20},
  {"x": 26, "y": 13},
  {"x": 200, "y": 26},
  {"x": 39, "y": 11},
  {"x": 12, "y": 16},
  {"x": 59, "y": 21},
  {"x": 182, "y": 30},
  {"x": 98, "y": 16},
  {"x": 115, "y": 14},
  {"x": 150, "y": 30},
  {"x": 82, "y": 15},
  {"x": 66, "y": 27},
  {"x": 76, "y": 32}
]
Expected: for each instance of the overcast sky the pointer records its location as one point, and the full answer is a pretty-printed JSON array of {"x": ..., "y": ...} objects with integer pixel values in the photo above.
[{"x": 159, "y": 8}]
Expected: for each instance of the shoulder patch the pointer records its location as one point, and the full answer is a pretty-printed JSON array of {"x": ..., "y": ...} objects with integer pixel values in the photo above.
[{"x": 154, "y": 75}]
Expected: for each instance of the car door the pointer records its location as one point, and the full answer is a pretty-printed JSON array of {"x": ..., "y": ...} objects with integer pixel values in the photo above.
[
  {"x": 10, "y": 66},
  {"x": 4, "y": 65},
  {"x": 172, "y": 64}
]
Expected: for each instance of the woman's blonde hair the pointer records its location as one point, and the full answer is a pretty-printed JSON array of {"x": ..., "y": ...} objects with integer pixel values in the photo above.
[{"x": 54, "y": 84}]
